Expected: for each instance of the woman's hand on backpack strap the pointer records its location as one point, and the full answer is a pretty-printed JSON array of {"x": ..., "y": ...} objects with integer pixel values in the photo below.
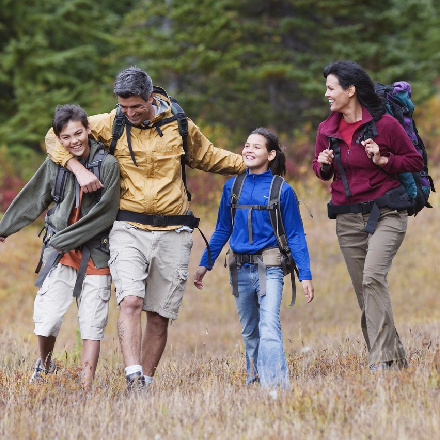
[
  {"x": 373, "y": 153},
  {"x": 198, "y": 277},
  {"x": 325, "y": 159},
  {"x": 309, "y": 291}
]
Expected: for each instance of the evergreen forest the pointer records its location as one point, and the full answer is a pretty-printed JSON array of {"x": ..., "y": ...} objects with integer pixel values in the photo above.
[{"x": 233, "y": 66}]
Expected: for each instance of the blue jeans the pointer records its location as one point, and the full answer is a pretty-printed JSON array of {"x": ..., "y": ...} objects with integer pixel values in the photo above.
[{"x": 261, "y": 327}]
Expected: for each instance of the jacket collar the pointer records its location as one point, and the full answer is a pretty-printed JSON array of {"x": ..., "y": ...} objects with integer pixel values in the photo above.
[
  {"x": 267, "y": 173},
  {"x": 330, "y": 127},
  {"x": 94, "y": 147},
  {"x": 163, "y": 107}
]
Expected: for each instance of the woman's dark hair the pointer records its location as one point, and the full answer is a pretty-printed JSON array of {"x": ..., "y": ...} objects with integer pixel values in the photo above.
[
  {"x": 278, "y": 165},
  {"x": 64, "y": 114},
  {"x": 349, "y": 73}
]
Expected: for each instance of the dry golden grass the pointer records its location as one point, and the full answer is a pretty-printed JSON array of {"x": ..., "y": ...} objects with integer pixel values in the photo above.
[{"x": 199, "y": 390}]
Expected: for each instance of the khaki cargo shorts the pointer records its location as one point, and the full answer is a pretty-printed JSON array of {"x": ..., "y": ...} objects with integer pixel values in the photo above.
[
  {"x": 152, "y": 265},
  {"x": 56, "y": 295}
]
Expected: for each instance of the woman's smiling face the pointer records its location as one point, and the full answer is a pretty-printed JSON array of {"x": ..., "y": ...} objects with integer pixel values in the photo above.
[{"x": 338, "y": 98}]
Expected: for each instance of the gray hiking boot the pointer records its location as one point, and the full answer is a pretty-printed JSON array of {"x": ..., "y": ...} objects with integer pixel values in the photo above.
[
  {"x": 136, "y": 381},
  {"x": 37, "y": 374}
]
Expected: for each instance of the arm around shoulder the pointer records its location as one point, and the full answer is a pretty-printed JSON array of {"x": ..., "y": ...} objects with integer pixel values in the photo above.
[{"x": 86, "y": 179}]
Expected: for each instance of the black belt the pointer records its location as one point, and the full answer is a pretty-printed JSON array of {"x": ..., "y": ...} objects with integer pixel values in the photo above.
[
  {"x": 396, "y": 198},
  {"x": 161, "y": 221},
  {"x": 158, "y": 220}
]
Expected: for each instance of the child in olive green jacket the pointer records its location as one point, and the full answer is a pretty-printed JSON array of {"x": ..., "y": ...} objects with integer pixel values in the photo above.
[{"x": 75, "y": 253}]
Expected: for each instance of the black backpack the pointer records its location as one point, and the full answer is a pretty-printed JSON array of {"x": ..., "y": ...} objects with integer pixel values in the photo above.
[
  {"x": 121, "y": 122},
  {"x": 288, "y": 264}
]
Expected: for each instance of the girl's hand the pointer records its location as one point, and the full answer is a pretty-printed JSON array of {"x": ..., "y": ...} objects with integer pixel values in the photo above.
[
  {"x": 325, "y": 158},
  {"x": 198, "y": 277},
  {"x": 309, "y": 291},
  {"x": 373, "y": 153}
]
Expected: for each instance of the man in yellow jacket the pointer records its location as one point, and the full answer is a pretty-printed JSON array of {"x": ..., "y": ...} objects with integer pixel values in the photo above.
[{"x": 151, "y": 240}]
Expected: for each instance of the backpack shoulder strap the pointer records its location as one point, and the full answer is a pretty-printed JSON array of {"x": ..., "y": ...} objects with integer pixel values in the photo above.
[
  {"x": 369, "y": 131},
  {"x": 117, "y": 129},
  {"x": 95, "y": 166},
  {"x": 274, "y": 206},
  {"x": 237, "y": 186},
  {"x": 333, "y": 144},
  {"x": 60, "y": 184},
  {"x": 182, "y": 123}
]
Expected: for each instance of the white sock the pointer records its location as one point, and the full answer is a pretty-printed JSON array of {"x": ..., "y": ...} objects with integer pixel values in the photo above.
[
  {"x": 148, "y": 379},
  {"x": 133, "y": 369}
]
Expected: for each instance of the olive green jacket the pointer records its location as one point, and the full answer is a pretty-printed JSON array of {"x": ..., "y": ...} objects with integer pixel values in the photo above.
[{"x": 96, "y": 216}]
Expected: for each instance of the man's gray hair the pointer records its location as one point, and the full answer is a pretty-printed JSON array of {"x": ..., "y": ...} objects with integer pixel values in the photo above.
[{"x": 133, "y": 82}]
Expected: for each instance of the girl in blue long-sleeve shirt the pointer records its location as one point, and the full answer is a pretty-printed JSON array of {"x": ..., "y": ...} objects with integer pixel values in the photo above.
[{"x": 259, "y": 307}]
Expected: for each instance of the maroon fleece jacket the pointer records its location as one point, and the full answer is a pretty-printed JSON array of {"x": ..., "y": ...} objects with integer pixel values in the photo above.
[{"x": 366, "y": 180}]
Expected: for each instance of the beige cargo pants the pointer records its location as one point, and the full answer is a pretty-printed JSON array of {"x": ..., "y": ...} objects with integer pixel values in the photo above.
[{"x": 368, "y": 259}]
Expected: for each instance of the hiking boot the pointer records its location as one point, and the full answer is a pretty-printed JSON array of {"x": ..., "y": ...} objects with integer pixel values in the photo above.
[
  {"x": 379, "y": 367},
  {"x": 37, "y": 374},
  {"x": 136, "y": 381}
]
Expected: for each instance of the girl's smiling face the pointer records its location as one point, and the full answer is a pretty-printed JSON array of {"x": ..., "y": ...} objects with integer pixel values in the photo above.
[{"x": 255, "y": 154}]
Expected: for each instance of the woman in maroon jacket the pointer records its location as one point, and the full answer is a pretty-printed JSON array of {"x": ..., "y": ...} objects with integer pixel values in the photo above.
[{"x": 363, "y": 149}]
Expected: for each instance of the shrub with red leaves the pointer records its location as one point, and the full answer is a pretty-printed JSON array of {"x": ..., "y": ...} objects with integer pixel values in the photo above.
[{"x": 9, "y": 188}]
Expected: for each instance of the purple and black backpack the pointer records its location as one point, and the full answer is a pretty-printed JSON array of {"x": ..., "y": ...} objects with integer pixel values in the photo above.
[{"x": 399, "y": 105}]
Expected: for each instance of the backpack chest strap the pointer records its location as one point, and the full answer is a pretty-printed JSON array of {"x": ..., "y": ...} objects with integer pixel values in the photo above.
[{"x": 249, "y": 219}]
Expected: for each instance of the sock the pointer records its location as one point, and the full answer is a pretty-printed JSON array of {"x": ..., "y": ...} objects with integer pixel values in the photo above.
[
  {"x": 148, "y": 379},
  {"x": 133, "y": 369}
]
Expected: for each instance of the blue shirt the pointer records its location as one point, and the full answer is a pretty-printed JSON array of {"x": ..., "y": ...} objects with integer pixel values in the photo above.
[{"x": 255, "y": 191}]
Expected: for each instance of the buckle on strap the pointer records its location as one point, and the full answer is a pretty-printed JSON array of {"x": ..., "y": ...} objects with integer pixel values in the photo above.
[
  {"x": 247, "y": 258},
  {"x": 160, "y": 220},
  {"x": 365, "y": 207}
]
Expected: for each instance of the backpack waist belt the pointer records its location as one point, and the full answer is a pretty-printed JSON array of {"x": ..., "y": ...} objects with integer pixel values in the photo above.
[
  {"x": 158, "y": 220},
  {"x": 396, "y": 198},
  {"x": 239, "y": 259},
  {"x": 268, "y": 257}
]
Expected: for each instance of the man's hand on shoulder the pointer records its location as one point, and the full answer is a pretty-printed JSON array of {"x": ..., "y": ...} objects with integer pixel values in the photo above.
[{"x": 86, "y": 179}]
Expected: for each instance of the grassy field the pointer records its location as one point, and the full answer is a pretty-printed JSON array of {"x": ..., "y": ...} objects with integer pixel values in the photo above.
[{"x": 199, "y": 390}]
